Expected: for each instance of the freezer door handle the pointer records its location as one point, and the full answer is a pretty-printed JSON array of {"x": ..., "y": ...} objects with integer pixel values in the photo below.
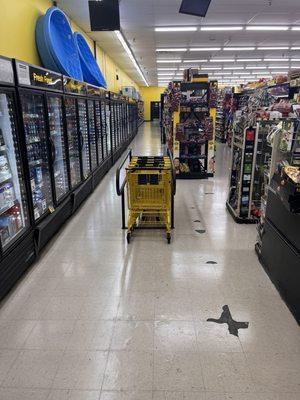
[
  {"x": 81, "y": 140},
  {"x": 53, "y": 152}
]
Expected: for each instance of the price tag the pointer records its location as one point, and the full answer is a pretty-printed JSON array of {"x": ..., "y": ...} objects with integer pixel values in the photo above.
[
  {"x": 51, "y": 209},
  {"x": 6, "y": 71},
  {"x": 23, "y": 74}
]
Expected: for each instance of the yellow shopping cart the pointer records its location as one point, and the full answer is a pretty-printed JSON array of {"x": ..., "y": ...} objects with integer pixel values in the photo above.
[{"x": 151, "y": 186}]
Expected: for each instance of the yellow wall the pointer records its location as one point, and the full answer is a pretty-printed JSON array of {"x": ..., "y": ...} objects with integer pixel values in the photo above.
[
  {"x": 17, "y": 28},
  {"x": 149, "y": 94},
  {"x": 17, "y": 39}
]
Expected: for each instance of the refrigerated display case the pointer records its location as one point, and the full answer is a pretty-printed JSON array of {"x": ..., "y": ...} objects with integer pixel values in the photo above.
[
  {"x": 13, "y": 202},
  {"x": 92, "y": 134},
  {"x": 108, "y": 126},
  {"x": 17, "y": 250},
  {"x": 73, "y": 140},
  {"x": 58, "y": 146},
  {"x": 40, "y": 93},
  {"x": 76, "y": 94},
  {"x": 34, "y": 122},
  {"x": 84, "y": 137},
  {"x": 96, "y": 97}
]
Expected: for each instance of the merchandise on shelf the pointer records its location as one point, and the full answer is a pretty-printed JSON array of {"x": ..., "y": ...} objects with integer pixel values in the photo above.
[
  {"x": 189, "y": 125},
  {"x": 266, "y": 109},
  {"x": 141, "y": 112},
  {"x": 13, "y": 207}
]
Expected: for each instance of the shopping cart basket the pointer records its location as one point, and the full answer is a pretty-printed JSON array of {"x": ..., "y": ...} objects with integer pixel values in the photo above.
[{"x": 151, "y": 185}]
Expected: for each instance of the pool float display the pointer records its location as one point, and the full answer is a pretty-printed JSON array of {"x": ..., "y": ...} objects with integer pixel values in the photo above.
[
  {"x": 90, "y": 69},
  {"x": 56, "y": 45}
]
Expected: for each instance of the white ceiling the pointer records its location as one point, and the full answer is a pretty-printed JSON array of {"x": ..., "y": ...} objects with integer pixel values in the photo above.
[{"x": 140, "y": 17}]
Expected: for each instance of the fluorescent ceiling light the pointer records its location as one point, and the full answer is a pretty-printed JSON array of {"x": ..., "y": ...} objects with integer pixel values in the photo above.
[
  {"x": 279, "y": 72},
  {"x": 221, "y": 61},
  {"x": 177, "y": 29},
  {"x": 221, "y": 28},
  {"x": 130, "y": 55},
  {"x": 253, "y": 67},
  {"x": 295, "y": 28},
  {"x": 263, "y": 76},
  {"x": 267, "y": 28},
  {"x": 167, "y": 69},
  {"x": 238, "y": 48},
  {"x": 194, "y": 61},
  {"x": 205, "y": 49},
  {"x": 167, "y": 74},
  {"x": 249, "y": 59},
  {"x": 175, "y": 61},
  {"x": 233, "y": 68},
  {"x": 273, "y": 48},
  {"x": 295, "y": 59},
  {"x": 295, "y": 67},
  {"x": 171, "y": 50},
  {"x": 241, "y": 73},
  {"x": 211, "y": 68},
  {"x": 277, "y": 59},
  {"x": 279, "y": 66},
  {"x": 224, "y": 73},
  {"x": 260, "y": 72},
  {"x": 295, "y": 48},
  {"x": 189, "y": 66}
]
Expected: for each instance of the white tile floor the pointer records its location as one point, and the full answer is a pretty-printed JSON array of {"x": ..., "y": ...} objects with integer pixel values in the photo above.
[{"x": 97, "y": 319}]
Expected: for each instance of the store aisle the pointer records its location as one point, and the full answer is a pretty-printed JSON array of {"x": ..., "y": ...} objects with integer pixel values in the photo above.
[{"x": 97, "y": 319}]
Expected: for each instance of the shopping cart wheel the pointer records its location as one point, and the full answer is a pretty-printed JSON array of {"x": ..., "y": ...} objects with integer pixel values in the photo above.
[
  {"x": 128, "y": 237},
  {"x": 169, "y": 238}
]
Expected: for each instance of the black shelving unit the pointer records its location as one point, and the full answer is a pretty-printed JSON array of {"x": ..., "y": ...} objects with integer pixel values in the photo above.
[
  {"x": 242, "y": 172},
  {"x": 194, "y": 132}
]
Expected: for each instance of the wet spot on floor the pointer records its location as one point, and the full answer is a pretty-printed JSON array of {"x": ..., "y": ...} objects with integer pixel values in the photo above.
[
  {"x": 211, "y": 262},
  {"x": 200, "y": 231},
  {"x": 226, "y": 318}
]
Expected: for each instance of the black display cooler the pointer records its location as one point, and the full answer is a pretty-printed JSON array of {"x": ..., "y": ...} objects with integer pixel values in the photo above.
[
  {"x": 75, "y": 97},
  {"x": 58, "y": 138},
  {"x": 98, "y": 133},
  {"x": 280, "y": 252},
  {"x": 40, "y": 96},
  {"x": 17, "y": 247}
]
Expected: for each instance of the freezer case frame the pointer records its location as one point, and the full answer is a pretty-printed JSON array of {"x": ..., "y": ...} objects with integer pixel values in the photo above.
[
  {"x": 42, "y": 82},
  {"x": 98, "y": 96},
  {"x": 21, "y": 253},
  {"x": 78, "y": 90}
]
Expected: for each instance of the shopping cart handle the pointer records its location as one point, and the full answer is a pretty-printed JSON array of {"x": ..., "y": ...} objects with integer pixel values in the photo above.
[
  {"x": 120, "y": 189},
  {"x": 173, "y": 172}
]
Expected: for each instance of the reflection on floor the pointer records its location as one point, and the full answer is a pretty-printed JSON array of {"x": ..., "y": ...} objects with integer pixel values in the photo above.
[{"x": 98, "y": 319}]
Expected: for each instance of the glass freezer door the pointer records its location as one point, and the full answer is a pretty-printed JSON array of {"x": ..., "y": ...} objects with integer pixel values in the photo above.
[
  {"x": 92, "y": 133},
  {"x": 84, "y": 138},
  {"x": 73, "y": 141},
  {"x": 104, "y": 129},
  {"x": 108, "y": 131},
  {"x": 99, "y": 130},
  {"x": 13, "y": 203},
  {"x": 58, "y": 147},
  {"x": 37, "y": 152}
]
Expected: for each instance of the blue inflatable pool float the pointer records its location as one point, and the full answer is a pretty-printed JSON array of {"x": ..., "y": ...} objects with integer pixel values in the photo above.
[
  {"x": 90, "y": 69},
  {"x": 56, "y": 45}
]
